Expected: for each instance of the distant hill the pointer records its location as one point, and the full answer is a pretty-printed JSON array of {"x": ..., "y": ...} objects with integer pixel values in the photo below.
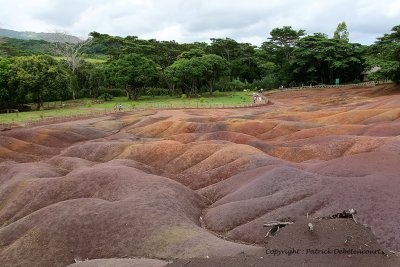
[
  {"x": 10, "y": 47},
  {"x": 49, "y": 37}
]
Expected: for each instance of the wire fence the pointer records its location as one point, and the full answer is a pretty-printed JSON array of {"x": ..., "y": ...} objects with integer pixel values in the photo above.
[{"x": 353, "y": 85}]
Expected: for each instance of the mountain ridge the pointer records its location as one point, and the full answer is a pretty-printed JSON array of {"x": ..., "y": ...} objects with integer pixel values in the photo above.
[{"x": 49, "y": 37}]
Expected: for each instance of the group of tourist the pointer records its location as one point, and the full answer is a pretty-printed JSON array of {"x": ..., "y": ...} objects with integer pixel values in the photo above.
[
  {"x": 118, "y": 107},
  {"x": 257, "y": 97}
]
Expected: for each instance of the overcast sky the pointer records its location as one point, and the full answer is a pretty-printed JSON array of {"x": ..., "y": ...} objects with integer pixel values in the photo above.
[{"x": 195, "y": 20}]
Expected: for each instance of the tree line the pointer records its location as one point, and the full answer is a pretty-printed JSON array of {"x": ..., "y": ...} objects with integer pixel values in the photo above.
[{"x": 133, "y": 66}]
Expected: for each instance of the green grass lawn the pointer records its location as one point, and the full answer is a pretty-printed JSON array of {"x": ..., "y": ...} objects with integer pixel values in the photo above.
[
  {"x": 87, "y": 59},
  {"x": 95, "y": 60},
  {"x": 227, "y": 99},
  {"x": 86, "y": 106},
  {"x": 40, "y": 115}
]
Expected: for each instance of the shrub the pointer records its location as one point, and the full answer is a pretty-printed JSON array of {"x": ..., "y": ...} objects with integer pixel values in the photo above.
[
  {"x": 114, "y": 92},
  {"x": 154, "y": 91},
  {"x": 217, "y": 93},
  {"x": 106, "y": 97},
  {"x": 226, "y": 85},
  {"x": 267, "y": 82},
  {"x": 236, "y": 85}
]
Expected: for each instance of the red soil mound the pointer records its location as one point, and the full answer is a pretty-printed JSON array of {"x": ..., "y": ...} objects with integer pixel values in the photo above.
[
  {"x": 196, "y": 165},
  {"x": 101, "y": 212},
  {"x": 359, "y": 165},
  {"x": 59, "y": 136},
  {"x": 324, "y": 148},
  {"x": 256, "y": 196},
  {"x": 22, "y": 151}
]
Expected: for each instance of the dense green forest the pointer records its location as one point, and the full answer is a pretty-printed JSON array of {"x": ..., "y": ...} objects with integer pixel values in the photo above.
[{"x": 33, "y": 71}]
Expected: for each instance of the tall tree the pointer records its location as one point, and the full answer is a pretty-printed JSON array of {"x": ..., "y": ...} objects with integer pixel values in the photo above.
[
  {"x": 341, "y": 32},
  {"x": 133, "y": 72},
  {"x": 41, "y": 76},
  {"x": 219, "y": 67},
  {"x": 90, "y": 77},
  {"x": 72, "y": 53},
  {"x": 189, "y": 74},
  {"x": 279, "y": 50},
  {"x": 8, "y": 97},
  {"x": 286, "y": 39},
  {"x": 320, "y": 59},
  {"x": 385, "y": 54},
  {"x": 226, "y": 48},
  {"x": 241, "y": 58}
]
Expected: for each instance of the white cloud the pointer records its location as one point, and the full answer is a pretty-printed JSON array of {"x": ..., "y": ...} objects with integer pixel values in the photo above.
[{"x": 191, "y": 20}]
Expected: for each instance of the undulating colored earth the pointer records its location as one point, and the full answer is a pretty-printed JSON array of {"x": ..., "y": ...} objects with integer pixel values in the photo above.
[{"x": 194, "y": 187}]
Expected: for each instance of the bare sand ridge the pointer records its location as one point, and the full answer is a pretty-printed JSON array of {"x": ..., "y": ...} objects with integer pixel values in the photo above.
[{"x": 150, "y": 187}]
